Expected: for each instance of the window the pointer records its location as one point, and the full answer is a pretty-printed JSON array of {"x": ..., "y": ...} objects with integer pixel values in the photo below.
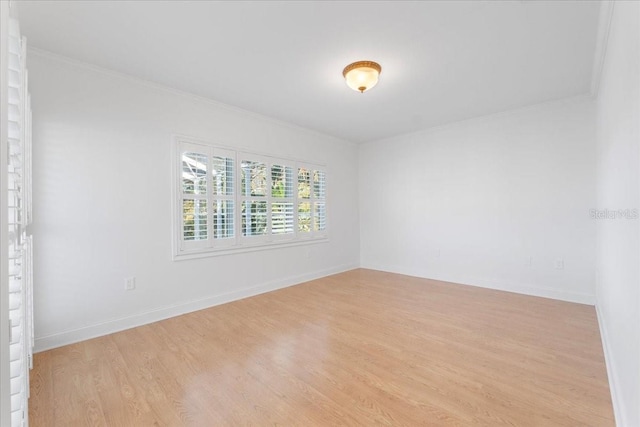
[
  {"x": 222, "y": 193},
  {"x": 282, "y": 200},
  {"x": 194, "y": 196},
  {"x": 232, "y": 200},
  {"x": 255, "y": 217},
  {"x": 319, "y": 204},
  {"x": 312, "y": 212},
  {"x": 206, "y": 197}
]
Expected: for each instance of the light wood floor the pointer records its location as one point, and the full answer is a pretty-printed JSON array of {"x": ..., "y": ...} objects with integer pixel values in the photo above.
[{"x": 358, "y": 348}]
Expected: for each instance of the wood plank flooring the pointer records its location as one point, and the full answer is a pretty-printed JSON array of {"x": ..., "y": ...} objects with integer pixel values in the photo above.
[{"x": 358, "y": 348}]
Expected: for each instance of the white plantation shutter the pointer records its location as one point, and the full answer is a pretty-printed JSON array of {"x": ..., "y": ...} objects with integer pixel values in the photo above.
[
  {"x": 222, "y": 197},
  {"x": 194, "y": 188},
  {"x": 254, "y": 193},
  {"x": 231, "y": 200},
  {"x": 312, "y": 205},
  {"x": 19, "y": 217},
  {"x": 282, "y": 201},
  {"x": 304, "y": 202},
  {"x": 206, "y": 197},
  {"x": 319, "y": 202}
]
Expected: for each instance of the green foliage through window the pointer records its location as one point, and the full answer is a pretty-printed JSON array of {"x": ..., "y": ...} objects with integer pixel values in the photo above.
[
  {"x": 254, "y": 178},
  {"x": 254, "y": 218},
  {"x": 194, "y": 219}
]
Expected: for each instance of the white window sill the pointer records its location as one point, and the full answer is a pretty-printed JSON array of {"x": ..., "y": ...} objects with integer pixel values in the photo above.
[{"x": 212, "y": 252}]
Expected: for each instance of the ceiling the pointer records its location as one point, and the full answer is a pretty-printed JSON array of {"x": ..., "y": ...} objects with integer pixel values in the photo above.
[{"x": 441, "y": 61}]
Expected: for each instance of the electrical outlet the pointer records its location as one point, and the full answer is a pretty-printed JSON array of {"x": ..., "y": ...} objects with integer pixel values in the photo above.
[
  {"x": 129, "y": 283},
  {"x": 559, "y": 263}
]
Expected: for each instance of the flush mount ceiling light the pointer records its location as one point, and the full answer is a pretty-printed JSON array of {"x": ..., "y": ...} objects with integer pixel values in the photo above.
[{"x": 362, "y": 75}]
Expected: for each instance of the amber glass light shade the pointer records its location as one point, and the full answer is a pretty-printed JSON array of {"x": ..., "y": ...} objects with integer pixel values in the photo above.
[{"x": 362, "y": 75}]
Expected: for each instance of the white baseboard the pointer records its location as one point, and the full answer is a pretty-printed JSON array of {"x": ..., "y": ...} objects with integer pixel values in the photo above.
[
  {"x": 618, "y": 411},
  {"x": 535, "y": 291},
  {"x": 115, "y": 325}
]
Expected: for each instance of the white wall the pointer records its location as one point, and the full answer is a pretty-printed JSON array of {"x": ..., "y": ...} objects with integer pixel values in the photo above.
[
  {"x": 102, "y": 202},
  {"x": 491, "y": 202},
  {"x": 618, "y": 172}
]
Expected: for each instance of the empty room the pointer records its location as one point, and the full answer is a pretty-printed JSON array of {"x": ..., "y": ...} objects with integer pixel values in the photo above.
[{"x": 320, "y": 213}]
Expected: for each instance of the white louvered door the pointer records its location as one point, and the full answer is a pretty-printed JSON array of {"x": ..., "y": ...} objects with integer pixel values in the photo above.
[{"x": 19, "y": 217}]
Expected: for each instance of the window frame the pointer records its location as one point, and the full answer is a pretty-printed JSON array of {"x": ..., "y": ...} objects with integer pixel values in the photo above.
[
  {"x": 253, "y": 239},
  {"x": 227, "y": 154},
  {"x": 195, "y": 244},
  {"x": 182, "y": 249},
  {"x": 281, "y": 237}
]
